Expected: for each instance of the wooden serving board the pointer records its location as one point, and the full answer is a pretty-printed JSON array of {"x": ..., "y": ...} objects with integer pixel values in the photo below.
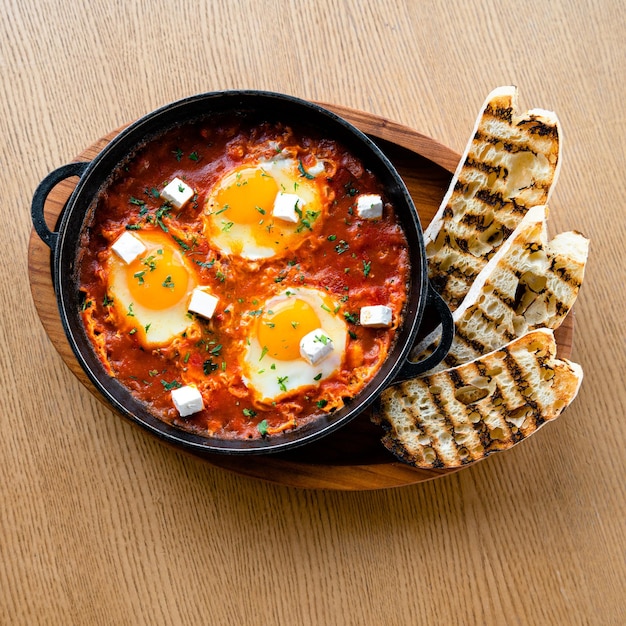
[{"x": 353, "y": 457}]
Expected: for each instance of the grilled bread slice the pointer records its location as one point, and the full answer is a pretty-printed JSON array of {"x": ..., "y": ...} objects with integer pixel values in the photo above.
[
  {"x": 463, "y": 414},
  {"x": 529, "y": 283},
  {"x": 510, "y": 164}
]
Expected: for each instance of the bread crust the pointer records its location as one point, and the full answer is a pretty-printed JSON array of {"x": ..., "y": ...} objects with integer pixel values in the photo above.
[
  {"x": 529, "y": 283},
  {"x": 463, "y": 414},
  {"x": 509, "y": 165}
]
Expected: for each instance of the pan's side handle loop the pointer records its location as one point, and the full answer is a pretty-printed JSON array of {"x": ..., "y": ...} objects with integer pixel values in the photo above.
[
  {"x": 412, "y": 369},
  {"x": 41, "y": 194}
]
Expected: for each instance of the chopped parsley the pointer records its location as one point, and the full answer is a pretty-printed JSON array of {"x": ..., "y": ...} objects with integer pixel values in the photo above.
[
  {"x": 303, "y": 172},
  {"x": 342, "y": 247},
  {"x": 169, "y": 386},
  {"x": 84, "y": 303},
  {"x": 350, "y": 189},
  {"x": 149, "y": 262},
  {"x": 209, "y": 366},
  {"x": 185, "y": 246},
  {"x": 307, "y": 219},
  {"x": 353, "y": 318},
  {"x": 160, "y": 213},
  {"x": 205, "y": 264}
]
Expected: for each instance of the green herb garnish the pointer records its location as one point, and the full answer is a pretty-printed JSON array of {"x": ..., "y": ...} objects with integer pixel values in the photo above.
[
  {"x": 169, "y": 386},
  {"x": 209, "y": 366},
  {"x": 351, "y": 317},
  {"x": 341, "y": 247},
  {"x": 303, "y": 172}
]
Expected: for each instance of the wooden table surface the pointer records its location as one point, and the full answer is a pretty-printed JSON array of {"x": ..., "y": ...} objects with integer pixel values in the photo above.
[{"x": 101, "y": 524}]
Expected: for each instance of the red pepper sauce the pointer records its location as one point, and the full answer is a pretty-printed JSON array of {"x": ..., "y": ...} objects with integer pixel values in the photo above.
[{"x": 354, "y": 262}]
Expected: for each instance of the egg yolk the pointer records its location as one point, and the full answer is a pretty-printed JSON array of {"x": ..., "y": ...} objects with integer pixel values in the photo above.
[
  {"x": 159, "y": 279},
  {"x": 280, "y": 330},
  {"x": 249, "y": 197}
]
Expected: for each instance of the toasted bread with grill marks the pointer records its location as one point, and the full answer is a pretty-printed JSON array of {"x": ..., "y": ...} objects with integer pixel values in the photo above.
[
  {"x": 510, "y": 164},
  {"x": 463, "y": 414},
  {"x": 529, "y": 283}
]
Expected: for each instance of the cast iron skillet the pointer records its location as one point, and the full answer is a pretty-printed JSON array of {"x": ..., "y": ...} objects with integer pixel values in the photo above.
[{"x": 266, "y": 106}]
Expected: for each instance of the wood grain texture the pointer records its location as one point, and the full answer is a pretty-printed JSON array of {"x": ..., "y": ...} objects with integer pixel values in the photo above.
[{"x": 100, "y": 524}]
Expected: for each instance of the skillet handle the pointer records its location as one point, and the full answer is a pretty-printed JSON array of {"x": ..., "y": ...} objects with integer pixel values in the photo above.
[
  {"x": 41, "y": 194},
  {"x": 412, "y": 369}
]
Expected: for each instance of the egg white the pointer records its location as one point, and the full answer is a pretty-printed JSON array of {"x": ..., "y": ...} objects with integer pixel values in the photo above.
[
  {"x": 152, "y": 326},
  {"x": 270, "y": 378},
  {"x": 250, "y": 241}
]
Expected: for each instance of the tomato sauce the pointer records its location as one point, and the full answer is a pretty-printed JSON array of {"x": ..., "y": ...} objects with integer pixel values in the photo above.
[{"x": 355, "y": 262}]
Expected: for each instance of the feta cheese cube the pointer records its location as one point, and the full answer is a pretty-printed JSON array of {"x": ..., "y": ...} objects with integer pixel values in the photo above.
[
  {"x": 377, "y": 316},
  {"x": 285, "y": 206},
  {"x": 369, "y": 206},
  {"x": 187, "y": 400},
  {"x": 128, "y": 247},
  {"x": 177, "y": 193},
  {"x": 202, "y": 303},
  {"x": 315, "y": 346}
]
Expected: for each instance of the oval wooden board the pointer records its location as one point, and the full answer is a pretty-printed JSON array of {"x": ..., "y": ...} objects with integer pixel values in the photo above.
[{"x": 352, "y": 458}]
